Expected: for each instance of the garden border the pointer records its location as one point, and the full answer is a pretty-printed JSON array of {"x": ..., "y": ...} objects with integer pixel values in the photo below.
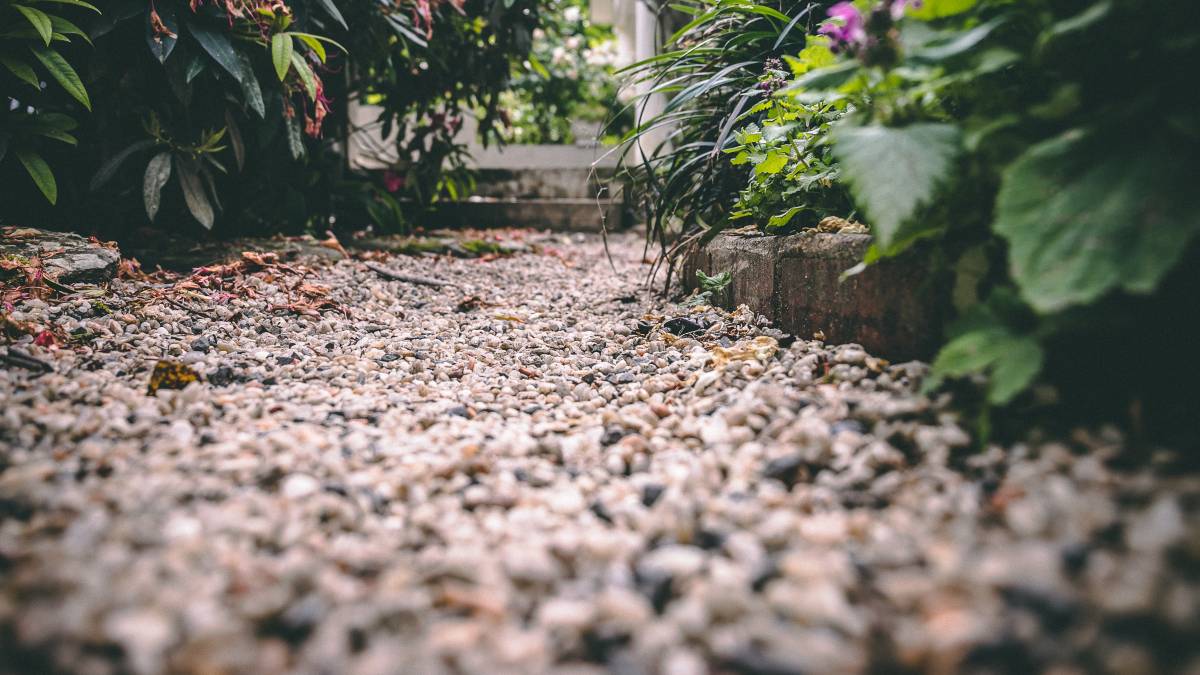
[{"x": 895, "y": 308}]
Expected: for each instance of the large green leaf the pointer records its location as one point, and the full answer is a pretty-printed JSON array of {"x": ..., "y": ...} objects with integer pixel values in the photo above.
[
  {"x": 22, "y": 70},
  {"x": 193, "y": 192},
  {"x": 281, "y": 54},
  {"x": 218, "y": 46},
  {"x": 158, "y": 171},
  {"x": 63, "y": 72},
  {"x": 1085, "y": 214},
  {"x": 893, "y": 171},
  {"x": 1011, "y": 361},
  {"x": 39, "y": 20},
  {"x": 306, "y": 75},
  {"x": 39, "y": 171},
  {"x": 332, "y": 10},
  {"x": 295, "y": 137},
  {"x": 75, "y": 3},
  {"x": 109, "y": 168}
]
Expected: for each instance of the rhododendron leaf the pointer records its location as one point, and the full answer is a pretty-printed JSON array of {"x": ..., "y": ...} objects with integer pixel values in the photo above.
[
  {"x": 62, "y": 71},
  {"x": 218, "y": 46},
  {"x": 332, "y": 10},
  {"x": 193, "y": 192},
  {"x": 158, "y": 171},
  {"x": 39, "y": 171},
  {"x": 306, "y": 75},
  {"x": 39, "y": 20},
  {"x": 281, "y": 54}
]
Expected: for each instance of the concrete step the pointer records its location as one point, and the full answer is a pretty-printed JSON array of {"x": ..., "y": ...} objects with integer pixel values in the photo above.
[{"x": 566, "y": 214}]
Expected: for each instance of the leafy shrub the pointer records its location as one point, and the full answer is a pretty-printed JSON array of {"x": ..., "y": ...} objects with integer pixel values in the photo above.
[
  {"x": 568, "y": 76},
  {"x": 711, "y": 71},
  {"x": 1043, "y": 152},
  {"x": 229, "y": 110},
  {"x": 29, "y": 52},
  {"x": 426, "y": 77}
]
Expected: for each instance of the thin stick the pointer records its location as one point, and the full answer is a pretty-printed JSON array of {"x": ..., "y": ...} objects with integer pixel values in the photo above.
[{"x": 407, "y": 278}]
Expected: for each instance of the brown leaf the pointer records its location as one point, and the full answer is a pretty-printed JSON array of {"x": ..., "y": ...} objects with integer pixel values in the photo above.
[{"x": 170, "y": 375}]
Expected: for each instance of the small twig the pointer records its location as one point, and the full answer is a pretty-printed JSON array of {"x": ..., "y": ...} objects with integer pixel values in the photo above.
[
  {"x": 16, "y": 357},
  {"x": 407, "y": 278},
  {"x": 180, "y": 305}
]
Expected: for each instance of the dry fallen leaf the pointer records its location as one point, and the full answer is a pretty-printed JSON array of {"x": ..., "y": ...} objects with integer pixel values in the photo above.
[
  {"x": 171, "y": 375},
  {"x": 760, "y": 349}
]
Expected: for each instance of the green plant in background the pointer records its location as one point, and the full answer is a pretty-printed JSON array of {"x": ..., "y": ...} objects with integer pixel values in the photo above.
[
  {"x": 230, "y": 113},
  {"x": 29, "y": 52},
  {"x": 224, "y": 70},
  {"x": 567, "y": 77},
  {"x": 1047, "y": 153},
  {"x": 793, "y": 182},
  {"x": 712, "y": 72},
  {"x": 426, "y": 77}
]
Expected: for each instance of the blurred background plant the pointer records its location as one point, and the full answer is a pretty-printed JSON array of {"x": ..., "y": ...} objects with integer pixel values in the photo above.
[
  {"x": 230, "y": 114},
  {"x": 1039, "y": 155},
  {"x": 714, "y": 72},
  {"x": 35, "y": 36},
  {"x": 565, "y": 90}
]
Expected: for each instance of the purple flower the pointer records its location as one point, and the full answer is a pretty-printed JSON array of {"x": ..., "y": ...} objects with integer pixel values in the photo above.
[{"x": 845, "y": 25}]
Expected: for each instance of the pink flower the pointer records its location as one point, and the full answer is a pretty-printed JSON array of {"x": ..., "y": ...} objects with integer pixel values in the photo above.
[
  {"x": 845, "y": 25},
  {"x": 392, "y": 181}
]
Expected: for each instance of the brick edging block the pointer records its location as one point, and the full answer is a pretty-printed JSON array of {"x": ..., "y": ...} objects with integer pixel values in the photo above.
[{"x": 894, "y": 309}]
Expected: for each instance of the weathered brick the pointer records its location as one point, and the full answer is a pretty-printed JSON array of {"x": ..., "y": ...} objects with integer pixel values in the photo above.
[{"x": 894, "y": 309}]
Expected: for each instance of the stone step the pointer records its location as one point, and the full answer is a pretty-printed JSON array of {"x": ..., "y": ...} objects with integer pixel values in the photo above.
[{"x": 568, "y": 214}]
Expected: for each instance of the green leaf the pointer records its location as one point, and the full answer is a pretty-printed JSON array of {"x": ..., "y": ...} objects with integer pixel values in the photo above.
[
  {"x": 58, "y": 135},
  {"x": 218, "y": 46},
  {"x": 1012, "y": 361},
  {"x": 3, "y": 145},
  {"x": 235, "y": 140},
  {"x": 332, "y": 10},
  {"x": 893, "y": 171},
  {"x": 65, "y": 27},
  {"x": 782, "y": 219},
  {"x": 39, "y": 171},
  {"x": 109, "y": 168},
  {"x": 306, "y": 75},
  {"x": 1084, "y": 215},
  {"x": 537, "y": 67},
  {"x": 22, "y": 70},
  {"x": 193, "y": 192},
  {"x": 281, "y": 54},
  {"x": 158, "y": 171},
  {"x": 313, "y": 43},
  {"x": 961, "y": 43},
  {"x": 772, "y": 164},
  {"x": 940, "y": 9},
  {"x": 40, "y": 21},
  {"x": 63, "y": 72},
  {"x": 295, "y": 140},
  {"x": 74, "y": 3}
]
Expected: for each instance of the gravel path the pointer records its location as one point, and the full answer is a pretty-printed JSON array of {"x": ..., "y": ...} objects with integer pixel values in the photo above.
[{"x": 524, "y": 473}]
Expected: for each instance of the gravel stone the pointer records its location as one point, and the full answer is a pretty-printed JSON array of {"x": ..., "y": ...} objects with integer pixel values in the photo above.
[{"x": 571, "y": 477}]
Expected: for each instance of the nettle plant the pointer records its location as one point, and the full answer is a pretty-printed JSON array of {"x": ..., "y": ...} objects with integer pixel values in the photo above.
[
  {"x": 1048, "y": 150},
  {"x": 224, "y": 65},
  {"x": 793, "y": 181},
  {"x": 33, "y": 32}
]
